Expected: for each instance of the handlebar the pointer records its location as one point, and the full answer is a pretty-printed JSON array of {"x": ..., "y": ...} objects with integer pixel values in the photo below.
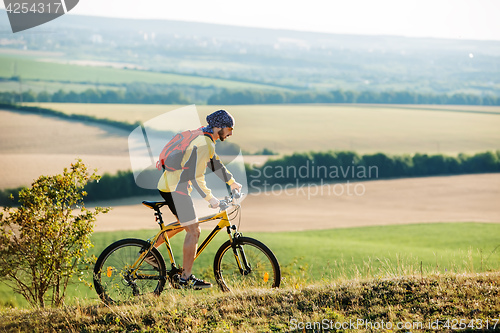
[
  {"x": 237, "y": 194},
  {"x": 229, "y": 200}
]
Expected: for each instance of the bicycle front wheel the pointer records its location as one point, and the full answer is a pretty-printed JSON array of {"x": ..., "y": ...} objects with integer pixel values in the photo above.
[
  {"x": 246, "y": 264},
  {"x": 116, "y": 279}
]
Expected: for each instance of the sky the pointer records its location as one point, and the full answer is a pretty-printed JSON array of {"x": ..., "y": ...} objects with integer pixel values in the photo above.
[{"x": 457, "y": 19}]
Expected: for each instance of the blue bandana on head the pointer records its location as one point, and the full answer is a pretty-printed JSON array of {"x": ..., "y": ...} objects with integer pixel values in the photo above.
[
  {"x": 207, "y": 129},
  {"x": 221, "y": 119}
]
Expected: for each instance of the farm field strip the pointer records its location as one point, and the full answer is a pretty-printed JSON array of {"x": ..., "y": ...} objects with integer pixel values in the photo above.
[
  {"x": 362, "y": 128},
  {"x": 381, "y": 202},
  {"x": 30, "y": 69}
]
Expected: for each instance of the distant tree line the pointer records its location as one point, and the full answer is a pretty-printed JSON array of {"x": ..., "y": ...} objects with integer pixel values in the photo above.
[
  {"x": 232, "y": 97},
  {"x": 311, "y": 168},
  {"x": 328, "y": 167},
  {"x": 96, "y": 96},
  {"x": 152, "y": 95}
]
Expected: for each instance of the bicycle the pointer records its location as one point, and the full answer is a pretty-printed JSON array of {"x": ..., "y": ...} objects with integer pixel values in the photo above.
[{"x": 121, "y": 271}]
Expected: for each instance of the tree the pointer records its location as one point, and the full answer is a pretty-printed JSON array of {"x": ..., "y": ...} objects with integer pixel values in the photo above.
[
  {"x": 59, "y": 96},
  {"x": 72, "y": 97},
  {"x": 91, "y": 96},
  {"x": 28, "y": 96},
  {"x": 275, "y": 97},
  {"x": 44, "y": 242},
  {"x": 43, "y": 96}
]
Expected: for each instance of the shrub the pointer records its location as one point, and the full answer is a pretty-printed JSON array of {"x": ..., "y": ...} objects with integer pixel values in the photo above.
[{"x": 44, "y": 242}]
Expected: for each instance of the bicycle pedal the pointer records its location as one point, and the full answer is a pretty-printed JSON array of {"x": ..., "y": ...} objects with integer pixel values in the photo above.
[{"x": 174, "y": 281}]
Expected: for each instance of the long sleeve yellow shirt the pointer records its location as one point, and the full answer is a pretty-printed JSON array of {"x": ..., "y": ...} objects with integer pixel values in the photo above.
[{"x": 199, "y": 155}]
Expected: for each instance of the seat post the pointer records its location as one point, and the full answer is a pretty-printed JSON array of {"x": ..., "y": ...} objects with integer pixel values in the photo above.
[{"x": 158, "y": 217}]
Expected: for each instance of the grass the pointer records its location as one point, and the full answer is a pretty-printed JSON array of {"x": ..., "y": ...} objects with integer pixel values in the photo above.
[
  {"x": 33, "y": 70},
  {"x": 362, "y": 128},
  {"x": 439, "y": 302},
  {"x": 51, "y": 87},
  {"x": 343, "y": 254},
  {"x": 388, "y": 250}
]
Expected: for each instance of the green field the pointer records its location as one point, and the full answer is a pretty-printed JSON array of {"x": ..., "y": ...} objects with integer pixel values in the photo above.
[
  {"x": 30, "y": 69},
  {"x": 340, "y": 254},
  {"x": 51, "y": 87},
  {"x": 362, "y": 128}
]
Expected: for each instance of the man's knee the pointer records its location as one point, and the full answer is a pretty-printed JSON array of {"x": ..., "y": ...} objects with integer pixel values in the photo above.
[{"x": 193, "y": 229}]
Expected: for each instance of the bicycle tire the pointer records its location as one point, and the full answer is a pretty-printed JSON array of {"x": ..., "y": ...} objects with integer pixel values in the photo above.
[
  {"x": 263, "y": 269},
  {"x": 112, "y": 279}
]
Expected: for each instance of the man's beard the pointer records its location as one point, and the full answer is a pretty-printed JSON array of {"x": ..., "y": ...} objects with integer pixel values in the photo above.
[{"x": 221, "y": 132}]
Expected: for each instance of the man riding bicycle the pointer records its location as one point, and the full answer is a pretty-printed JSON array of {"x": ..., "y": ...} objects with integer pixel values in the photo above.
[{"x": 175, "y": 187}]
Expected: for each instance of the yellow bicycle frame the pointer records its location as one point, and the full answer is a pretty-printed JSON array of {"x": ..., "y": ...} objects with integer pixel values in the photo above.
[{"x": 224, "y": 223}]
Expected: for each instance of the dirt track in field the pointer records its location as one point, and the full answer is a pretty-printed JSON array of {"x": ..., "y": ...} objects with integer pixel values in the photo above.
[{"x": 469, "y": 198}]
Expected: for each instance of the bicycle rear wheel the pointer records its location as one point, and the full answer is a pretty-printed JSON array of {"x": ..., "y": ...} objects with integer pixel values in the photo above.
[
  {"x": 116, "y": 281},
  {"x": 258, "y": 266}
]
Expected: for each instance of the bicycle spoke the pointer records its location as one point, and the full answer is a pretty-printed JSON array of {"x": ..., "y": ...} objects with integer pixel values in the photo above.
[
  {"x": 117, "y": 280},
  {"x": 252, "y": 265}
]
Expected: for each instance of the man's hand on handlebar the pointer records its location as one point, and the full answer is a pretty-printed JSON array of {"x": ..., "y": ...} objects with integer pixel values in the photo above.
[
  {"x": 214, "y": 202},
  {"x": 236, "y": 187},
  {"x": 225, "y": 203}
]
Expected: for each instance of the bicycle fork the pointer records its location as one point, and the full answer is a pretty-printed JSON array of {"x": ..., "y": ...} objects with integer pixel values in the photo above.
[{"x": 239, "y": 253}]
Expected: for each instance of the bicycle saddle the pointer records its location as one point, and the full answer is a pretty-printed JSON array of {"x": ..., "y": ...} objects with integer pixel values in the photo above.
[{"x": 154, "y": 204}]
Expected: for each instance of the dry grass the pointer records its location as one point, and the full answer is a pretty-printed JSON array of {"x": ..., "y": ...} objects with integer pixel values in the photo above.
[
  {"x": 407, "y": 300},
  {"x": 397, "y": 129}
]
